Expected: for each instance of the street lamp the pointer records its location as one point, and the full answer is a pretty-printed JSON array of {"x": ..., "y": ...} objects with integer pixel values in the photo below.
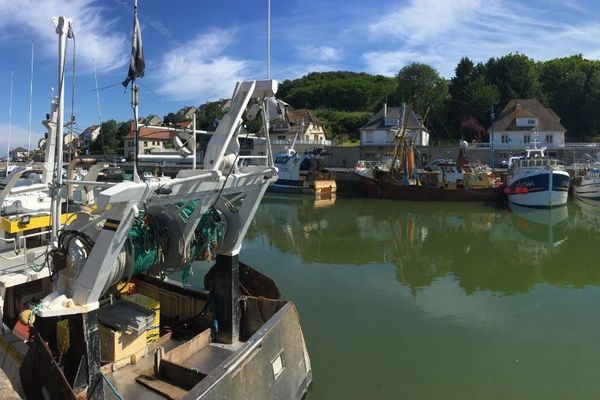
[{"x": 493, "y": 116}]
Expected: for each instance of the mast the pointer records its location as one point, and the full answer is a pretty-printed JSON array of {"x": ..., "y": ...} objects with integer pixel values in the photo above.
[
  {"x": 268, "y": 39},
  {"x": 12, "y": 74},
  {"x": 30, "y": 101},
  {"x": 136, "y": 70},
  {"x": 98, "y": 102},
  {"x": 63, "y": 26}
]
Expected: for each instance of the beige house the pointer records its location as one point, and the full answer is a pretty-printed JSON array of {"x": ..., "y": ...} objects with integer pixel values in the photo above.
[
  {"x": 303, "y": 123},
  {"x": 152, "y": 139},
  {"x": 516, "y": 125}
]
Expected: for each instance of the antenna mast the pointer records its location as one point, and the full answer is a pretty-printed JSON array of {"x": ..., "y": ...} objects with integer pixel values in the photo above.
[
  {"x": 12, "y": 73},
  {"x": 30, "y": 101},
  {"x": 268, "y": 39}
]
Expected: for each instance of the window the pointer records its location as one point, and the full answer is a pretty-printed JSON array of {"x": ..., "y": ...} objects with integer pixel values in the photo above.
[
  {"x": 281, "y": 137},
  {"x": 531, "y": 122},
  {"x": 527, "y": 139},
  {"x": 504, "y": 138},
  {"x": 549, "y": 138},
  {"x": 392, "y": 121},
  {"x": 369, "y": 137}
]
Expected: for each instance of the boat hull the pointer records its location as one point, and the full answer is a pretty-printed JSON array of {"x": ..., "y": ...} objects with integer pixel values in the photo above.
[
  {"x": 589, "y": 191},
  {"x": 543, "y": 189},
  {"x": 319, "y": 186},
  {"x": 394, "y": 191}
]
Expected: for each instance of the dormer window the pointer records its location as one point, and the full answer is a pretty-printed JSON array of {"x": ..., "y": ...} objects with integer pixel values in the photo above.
[
  {"x": 392, "y": 121},
  {"x": 529, "y": 122}
]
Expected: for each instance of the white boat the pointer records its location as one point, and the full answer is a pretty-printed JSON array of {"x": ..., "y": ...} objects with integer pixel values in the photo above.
[
  {"x": 219, "y": 342},
  {"x": 302, "y": 173},
  {"x": 535, "y": 180},
  {"x": 586, "y": 184}
]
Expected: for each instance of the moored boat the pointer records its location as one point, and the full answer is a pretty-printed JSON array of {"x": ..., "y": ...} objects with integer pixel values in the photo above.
[
  {"x": 445, "y": 181},
  {"x": 112, "y": 321},
  {"x": 586, "y": 183},
  {"x": 535, "y": 180},
  {"x": 303, "y": 173}
]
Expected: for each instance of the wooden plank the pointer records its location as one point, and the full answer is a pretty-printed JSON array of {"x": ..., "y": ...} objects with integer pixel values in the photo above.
[
  {"x": 161, "y": 387},
  {"x": 184, "y": 351}
]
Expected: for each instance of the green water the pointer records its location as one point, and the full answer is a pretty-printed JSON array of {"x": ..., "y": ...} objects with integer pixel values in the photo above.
[{"x": 438, "y": 301}]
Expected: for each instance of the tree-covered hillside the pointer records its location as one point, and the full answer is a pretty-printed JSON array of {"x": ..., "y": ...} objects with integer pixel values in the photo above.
[{"x": 461, "y": 105}]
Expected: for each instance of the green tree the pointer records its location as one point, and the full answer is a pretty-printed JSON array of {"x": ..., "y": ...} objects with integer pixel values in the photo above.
[
  {"x": 570, "y": 88},
  {"x": 108, "y": 141},
  {"x": 515, "y": 76},
  {"x": 421, "y": 86},
  {"x": 471, "y": 94}
]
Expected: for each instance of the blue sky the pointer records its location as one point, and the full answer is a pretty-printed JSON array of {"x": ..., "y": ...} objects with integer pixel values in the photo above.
[{"x": 196, "y": 50}]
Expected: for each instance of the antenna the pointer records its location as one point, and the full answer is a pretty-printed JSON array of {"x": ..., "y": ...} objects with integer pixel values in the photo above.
[
  {"x": 12, "y": 73},
  {"x": 98, "y": 102},
  {"x": 268, "y": 39},
  {"x": 30, "y": 101}
]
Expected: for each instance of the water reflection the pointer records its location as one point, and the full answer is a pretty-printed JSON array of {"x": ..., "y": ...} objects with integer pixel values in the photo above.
[{"x": 502, "y": 250}]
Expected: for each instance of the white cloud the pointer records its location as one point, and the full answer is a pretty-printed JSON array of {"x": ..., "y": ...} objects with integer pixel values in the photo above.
[
  {"x": 475, "y": 29},
  {"x": 318, "y": 53},
  {"x": 422, "y": 20},
  {"x": 199, "y": 70},
  {"x": 95, "y": 38},
  {"x": 389, "y": 62}
]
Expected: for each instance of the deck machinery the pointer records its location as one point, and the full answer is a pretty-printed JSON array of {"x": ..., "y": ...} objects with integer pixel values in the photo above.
[{"x": 242, "y": 345}]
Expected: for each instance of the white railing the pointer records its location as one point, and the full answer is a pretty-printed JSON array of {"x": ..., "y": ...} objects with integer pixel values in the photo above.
[{"x": 307, "y": 142}]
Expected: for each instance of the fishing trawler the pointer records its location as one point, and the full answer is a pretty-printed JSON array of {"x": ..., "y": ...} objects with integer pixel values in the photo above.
[
  {"x": 536, "y": 180},
  {"x": 112, "y": 322},
  {"x": 446, "y": 180},
  {"x": 586, "y": 181}
]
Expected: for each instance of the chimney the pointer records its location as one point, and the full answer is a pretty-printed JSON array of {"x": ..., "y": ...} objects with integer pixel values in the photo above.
[{"x": 384, "y": 110}]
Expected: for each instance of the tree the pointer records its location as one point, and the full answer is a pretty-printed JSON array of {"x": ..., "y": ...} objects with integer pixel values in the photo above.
[
  {"x": 108, "y": 141},
  {"x": 569, "y": 89},
  {"x": 420, "y": 86},
  {"x": 170, "y": 119},
  {"x": 515, "y": 76},
  {"x": 471, "y": 94},
  {"x": 471, "y": 129}
]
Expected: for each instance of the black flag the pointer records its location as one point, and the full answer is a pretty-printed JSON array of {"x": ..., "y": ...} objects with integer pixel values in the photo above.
[{"x": 137, "y": 64}]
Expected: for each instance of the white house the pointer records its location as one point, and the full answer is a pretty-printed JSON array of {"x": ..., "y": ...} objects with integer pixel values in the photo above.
[
  {"x": 386, "y": 126},
  {"x": 514, "y": 127},
  {"x": 90, "y": 134}
]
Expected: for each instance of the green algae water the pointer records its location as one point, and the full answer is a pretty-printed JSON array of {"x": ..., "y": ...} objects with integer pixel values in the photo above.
[{"x": 403, "y": 300}]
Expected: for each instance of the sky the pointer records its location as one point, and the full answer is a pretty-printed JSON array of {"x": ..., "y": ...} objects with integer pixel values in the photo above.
[{"x": 196, "y": 50}]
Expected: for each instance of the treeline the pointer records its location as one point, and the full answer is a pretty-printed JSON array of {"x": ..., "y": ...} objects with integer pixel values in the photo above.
[{"x": 460, "y": 106}]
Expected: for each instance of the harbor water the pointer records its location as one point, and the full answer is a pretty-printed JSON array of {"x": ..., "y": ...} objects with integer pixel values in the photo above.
[{"x": 437, "y": 301}]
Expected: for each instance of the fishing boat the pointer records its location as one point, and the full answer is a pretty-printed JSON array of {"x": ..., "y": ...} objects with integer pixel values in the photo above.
[
  {"x": 303, "y": 173},
  {"x": 536, "y": 180},
  {"x": 586, "y": 181},
  {"x": 113, "y": 324},
  {"x": 447, "y": 180}
]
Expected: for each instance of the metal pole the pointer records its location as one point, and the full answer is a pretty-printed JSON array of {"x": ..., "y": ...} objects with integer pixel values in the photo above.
[
  {"x": 62, "y": 26},
  {"x": 30, "y": 101},
  {"x": 12, "y": 73},
  {"x": 194, "y": 141},
  {"x": 268, "y": 39},
  {"x": 493, "y": 115},
  {"x": 134, "y": 105}
]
